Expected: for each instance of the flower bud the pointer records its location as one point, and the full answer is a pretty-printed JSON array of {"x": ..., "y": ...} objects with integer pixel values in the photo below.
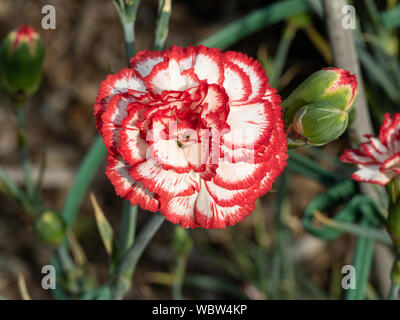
[
  {"x": 21, "y": 60},
  {"x": 393, "y": 222},
  {"x": 330, "y": 85},
  {"x": 318, "y": 124},
  {"x": 50, "y": 227}
]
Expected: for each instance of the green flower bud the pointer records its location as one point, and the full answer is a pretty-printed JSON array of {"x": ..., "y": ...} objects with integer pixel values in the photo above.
[
  {"x": 50, "y": 227},
  {"x": 21, "y": 60},
  {"x": 318, "y": 124},
  {"x": 393, "y": 222},
  {"x": 330, "y": 85}
]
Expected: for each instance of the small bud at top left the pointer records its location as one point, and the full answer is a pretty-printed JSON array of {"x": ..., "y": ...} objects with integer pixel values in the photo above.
[{"x": 21, "y": 61}]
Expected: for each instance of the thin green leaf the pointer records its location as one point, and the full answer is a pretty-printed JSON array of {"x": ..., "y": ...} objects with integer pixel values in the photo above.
[
  {"x": 105, "y": 229},
  {"x": 255, "y": 21}
]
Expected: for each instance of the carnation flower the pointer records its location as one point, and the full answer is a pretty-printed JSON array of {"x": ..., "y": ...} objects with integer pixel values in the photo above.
[
  {"x": 194, "y": 133},
  {"x": 378, "y": 159}
]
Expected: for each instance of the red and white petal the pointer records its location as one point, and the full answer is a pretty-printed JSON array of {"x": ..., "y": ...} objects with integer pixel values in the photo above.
[
  {"x": 239, "y": 154},
  {"x": 390, "y": 132},
  {"x": 165, "y": 183},
  {"x": 186, "y": 57},
  {"x": 166, "y": 76},
  {"x": 180, "y": 210},
  {"x": 122, "y": 82},
  {"x": 372, "y": 174},
  {"x": 141, "y": 196},
  {"x": 393, "y": 163},
  {"x": 277, "y": 165},
  {"x": 226, "y": 197},
  {"x": 250, "y": 125},
  {"x": 236, "y": 83},
  {"x": 271, "y": 95},
  {"x": 371, "y": 152},
  {"x": 126, "y": 187},
  {"x": 240, "y": 175},
  {"x": 253, "y": 70},
  {"x": 196, "y": 156},
  {"x": 132, "y": 147},
  {"x": 356, "y": 156},
  {"x": 144, "y": 61},
  {"x": 208, "y": 214},
  {"x": 169, "y": 155},
  {"x": 378, "y": 145},
  {"x": 112, "y": 120},
  {"x": 208, "y": 65},
  {"x": 215, "y": 109}
]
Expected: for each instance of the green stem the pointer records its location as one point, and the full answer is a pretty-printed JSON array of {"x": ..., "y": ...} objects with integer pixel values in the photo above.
[
  {"x": 23, "y": 149},
  {"x": 395, "y": 278},
  {"x": 362, "y": 261},
  {"x": 128, "y": 227},
  {"x": 161, "y": 33},
  {"x": 129, "y": 36},
  {"x": 179, "y": 276},
  {"x": 394, "y": 292},
  {"x": 10, "y": 189},
  {"x": 282, "y": 52},
  {"x": 121, "y": 281}
]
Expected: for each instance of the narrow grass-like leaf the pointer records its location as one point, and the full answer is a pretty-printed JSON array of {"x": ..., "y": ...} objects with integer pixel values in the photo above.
[
  {"x": 255, "y": 21},
  {"x": 22, "y": 288},
  {"x": 354, "y": 229},
  {"x": 105, "y": 229}
]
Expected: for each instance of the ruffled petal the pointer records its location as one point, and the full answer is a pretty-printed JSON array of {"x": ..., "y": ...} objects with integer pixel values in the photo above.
[
  {"x": 356, "y": 156},
  {"x": 393, "y": 163},
  {"x": 256, "y": 74},
  {"x": 169, "y": 155},
  {"x": 126, "y": 187},
  {"x": 208, "y": 214},
  {"x": 112, "y": 120},
  {"x": 250, "y": 125},
  {"x": 208, "y": 65},
  {"x": 390, "y": 132},
  {"x": 167, "y": 76},
  {"x": 119, "y": 83},
  {"x": 166, "y": 183},
  {"x": 373, "y": 153},
  {"x": 372, "y": 174},
  {"x": 144, "y": 61},
  {"x": 236, "y": 83},
  {"x": 180, "y": 210},
  {"x": 215, "y": 109},
  {"x": 133, "y": 148},
  {"x": 238, "y": 175}
]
